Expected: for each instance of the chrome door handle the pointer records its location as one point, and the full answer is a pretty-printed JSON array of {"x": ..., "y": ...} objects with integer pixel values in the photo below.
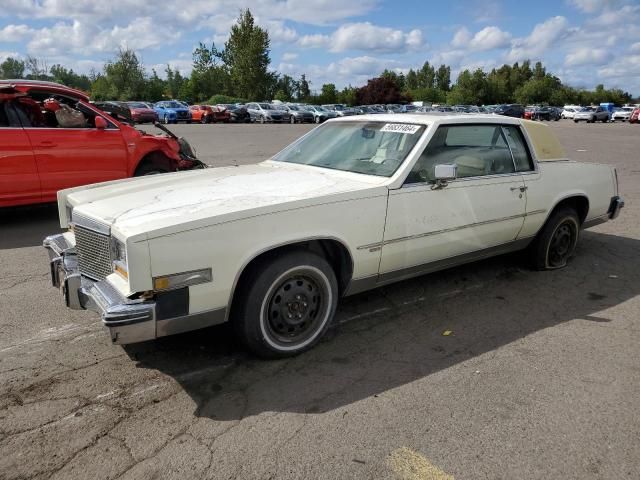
[{"x": 521, "y": 188}]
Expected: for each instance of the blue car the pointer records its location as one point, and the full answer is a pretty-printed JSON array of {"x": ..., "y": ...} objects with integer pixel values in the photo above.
[{"x": 172, "y": 111}]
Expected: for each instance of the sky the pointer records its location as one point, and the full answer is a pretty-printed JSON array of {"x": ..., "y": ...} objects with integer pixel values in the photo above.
[{"x": 345, "y": 42}]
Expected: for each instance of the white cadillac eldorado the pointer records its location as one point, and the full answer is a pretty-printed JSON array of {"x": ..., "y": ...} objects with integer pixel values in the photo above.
[{"x": 356, "y": 203}]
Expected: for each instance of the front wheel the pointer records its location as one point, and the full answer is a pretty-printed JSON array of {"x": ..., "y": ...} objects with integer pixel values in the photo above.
[
  {"x": 165, "y": 120},
  {"x": 292, "y": 119},
  {"x": 556, "y": 241},
  {"x": 286, "y": 304},
  {"x": 262, "y": 120},
  {"x": 317, "y": 119}
]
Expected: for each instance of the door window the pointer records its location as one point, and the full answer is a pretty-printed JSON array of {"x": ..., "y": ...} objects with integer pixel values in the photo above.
[
  {"x": 521, "y": 156},
  {"x": 477, "y": 150}
]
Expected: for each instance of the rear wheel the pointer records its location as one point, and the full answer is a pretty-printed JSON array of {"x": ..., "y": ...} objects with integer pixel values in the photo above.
[
  {"x": 286, "y": 304},
  {"x": 262, "y": 120},
  {"x": 556, "y": 241},
  {"x": 204, "y": 119}
]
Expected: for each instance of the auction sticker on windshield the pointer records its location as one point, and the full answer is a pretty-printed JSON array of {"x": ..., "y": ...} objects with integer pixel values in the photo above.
[{"x": 400, "y": 128}]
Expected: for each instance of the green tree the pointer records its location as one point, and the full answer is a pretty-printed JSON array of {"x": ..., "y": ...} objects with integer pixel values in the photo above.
[
  {"x": 60, "y": 74},
  {"x": 412, "y": 80},
  {"x": 329, "y": 94},
  {"x": 426, "y": 76},
  {"x": 208, "y": 76},
  {"x": 246, "y": 57},
  {"x": 443, "y": 78},
  {"x": 154, "y": 88},
  {"x": 174, "y": 82},
  {"x": 12, "y": 68},
  {"x": 303, "y": 91},
  {"x": 37, "y": 68},
  {"x": 126, "y": 75}
]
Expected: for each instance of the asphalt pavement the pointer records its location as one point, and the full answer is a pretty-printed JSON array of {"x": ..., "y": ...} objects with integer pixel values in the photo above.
[{"x": 486, "y": 371}]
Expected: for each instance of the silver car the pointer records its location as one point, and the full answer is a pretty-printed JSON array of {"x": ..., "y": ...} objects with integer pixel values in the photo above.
[
  {"x": 340, "y": 109},
  {"x": 266, "y": 113},
  {"x": 296, "y": 113},
  {"x": 320, "y": 114},
  {"x": 591, "y": 115}
]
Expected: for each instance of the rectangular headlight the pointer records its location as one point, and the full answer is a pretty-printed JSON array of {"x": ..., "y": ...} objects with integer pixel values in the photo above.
[{"x": 184, "y": 279}]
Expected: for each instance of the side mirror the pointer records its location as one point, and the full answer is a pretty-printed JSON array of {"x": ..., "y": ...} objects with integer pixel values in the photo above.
[
  {"x": 444, "y": 173},
  {"x": 100, "y": 122}
]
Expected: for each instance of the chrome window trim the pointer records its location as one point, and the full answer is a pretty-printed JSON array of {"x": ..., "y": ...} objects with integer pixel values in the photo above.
[{"x": 478, "y": 177}]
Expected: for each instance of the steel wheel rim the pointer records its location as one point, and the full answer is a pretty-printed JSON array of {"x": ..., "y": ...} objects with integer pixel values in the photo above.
[
  {"x": 296, "y": 308},
  {"x": 561, "y": 244}
]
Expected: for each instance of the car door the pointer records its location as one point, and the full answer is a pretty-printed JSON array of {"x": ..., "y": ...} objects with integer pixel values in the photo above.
[
  {"x": 69, "y": 157},
  {"x": 479, "y": 212},
  {"x": 19, "y": 181}
]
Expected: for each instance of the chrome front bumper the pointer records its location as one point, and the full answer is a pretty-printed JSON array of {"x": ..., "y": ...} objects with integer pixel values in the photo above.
[{"x": 128, "y": 321}]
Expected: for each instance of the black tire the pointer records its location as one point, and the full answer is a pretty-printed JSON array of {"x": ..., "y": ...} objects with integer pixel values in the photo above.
[
  {"x": 317, "y": 119},
  {"x": 262, "y": 120},
  {"x": 575, "y": 121},
  {"x": 285, "y": 304},
  {"x": 556, "y": 241},
  {"x": 204, "y": 119},
  {"x": 188, "y": 121},
  {"x": 150, "y": 168},
  {"x": 292, "y": 119}
]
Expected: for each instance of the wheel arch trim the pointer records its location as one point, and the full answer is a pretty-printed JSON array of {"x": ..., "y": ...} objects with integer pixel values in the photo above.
[{"x": 289, "y": 243}]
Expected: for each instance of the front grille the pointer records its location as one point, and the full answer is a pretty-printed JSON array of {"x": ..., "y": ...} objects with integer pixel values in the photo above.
[
  {"x": 182, "y": 114},
  {"x": 94, "y": 253}
]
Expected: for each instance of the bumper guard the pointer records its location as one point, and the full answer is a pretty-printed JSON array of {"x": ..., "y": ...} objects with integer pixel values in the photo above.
[{"x": 128, "y": 321}]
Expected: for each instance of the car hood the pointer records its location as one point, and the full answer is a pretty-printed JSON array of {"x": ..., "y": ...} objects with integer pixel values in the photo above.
[
  {"x": 170, "y": 203},
  {"x": 142, "y": 110}
]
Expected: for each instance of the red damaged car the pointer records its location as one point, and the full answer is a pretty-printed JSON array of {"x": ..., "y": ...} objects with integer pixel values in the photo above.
[
  {"x": 52, "y": 138},
  {"x": 209, "y": 114}
]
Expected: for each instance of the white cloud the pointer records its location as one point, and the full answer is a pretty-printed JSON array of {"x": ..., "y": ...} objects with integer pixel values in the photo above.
[
  {"x": 543, "y": 37},
  {"x": 315, "y": 12},
  {"x": 489, "y": 38},
  {"x": 6, "y": 54},
  {"x": 365, "y": 37},
  {"x": 462, "y": 38},
  {"x": 288, "y": 56},
  {"x": 635, "y": 48},
  {"x": 588, "y": 56},
  {"x": 15, "y": 33},
  {"x": 592, "y": 6},
  {"x": 279, "y": 33}
]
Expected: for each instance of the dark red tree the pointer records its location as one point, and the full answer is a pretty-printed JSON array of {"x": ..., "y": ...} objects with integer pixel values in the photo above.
[{"x": 380, "y": 90}]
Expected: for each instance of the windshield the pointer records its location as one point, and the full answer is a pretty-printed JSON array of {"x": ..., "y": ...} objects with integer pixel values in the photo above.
[
  {"x": 372, "y": 148},
  {"x": 587, "y": 109},
  {"x": 265, "y": 106},
  {"x": 137, "y": 105},
  {"x": 173, "y": 105}
]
